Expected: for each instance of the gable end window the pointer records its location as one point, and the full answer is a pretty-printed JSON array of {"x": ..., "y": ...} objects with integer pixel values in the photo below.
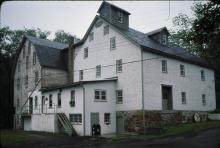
[
  {"x": 107, "y": 118},
  {"x": 202, "y": 75},
  {"x": 203, "y": 99},
  {"x": 120, "y": 17},
  {"x": 164, "y": 39},
  {"x": 182, "y": 70},
  {"x": 91, "y": 36},
  {"x": 119, "y": 96},
  {"x": 106, "y": 29},
  {"x": 112, "y": 43},
  {"x": 164, "y": 66},
  {"x": 100, "y": 95},
  {"x": 81, "y": 75},
  {"x": 98, "y": 71},
  {"x": 183, "y": 96},
  {"x": 118, "y": 66},
  {"x": 86, "y": 52}
]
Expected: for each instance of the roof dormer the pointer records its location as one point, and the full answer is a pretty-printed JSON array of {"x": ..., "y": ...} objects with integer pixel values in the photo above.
[
  {"x": 114, "y": 15},
  {"x": 160, "y": 35}
]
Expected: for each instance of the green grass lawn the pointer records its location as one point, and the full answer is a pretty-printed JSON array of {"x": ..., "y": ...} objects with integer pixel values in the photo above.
[
  {"x": 14, "y": 137},
  {"x": 181, "y": 129}
]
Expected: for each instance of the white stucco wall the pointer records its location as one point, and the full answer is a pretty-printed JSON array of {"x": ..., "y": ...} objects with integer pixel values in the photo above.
[
  {"x": 191, "y": 84},
  {"x": 99, "y": 53}
]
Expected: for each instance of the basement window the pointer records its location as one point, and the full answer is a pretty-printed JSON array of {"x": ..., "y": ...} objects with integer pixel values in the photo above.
[
  {"x": 107, "y": 118},
  {"x": 75, "y": 118}
]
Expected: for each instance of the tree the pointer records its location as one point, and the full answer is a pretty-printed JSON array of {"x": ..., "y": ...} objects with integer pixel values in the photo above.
[
  {"x": 64, "y": 37},
  {"x": 200, "y": 35}
]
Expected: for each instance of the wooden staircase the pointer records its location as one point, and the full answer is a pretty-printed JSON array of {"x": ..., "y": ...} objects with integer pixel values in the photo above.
[{"x": 68, "y": 128}]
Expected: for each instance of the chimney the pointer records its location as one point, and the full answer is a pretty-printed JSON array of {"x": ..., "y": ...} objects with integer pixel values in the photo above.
[{"x": 70, "y": 60}]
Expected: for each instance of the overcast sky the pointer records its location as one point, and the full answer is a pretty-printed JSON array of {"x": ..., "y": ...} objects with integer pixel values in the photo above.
[{"x": 76, "y": 16}]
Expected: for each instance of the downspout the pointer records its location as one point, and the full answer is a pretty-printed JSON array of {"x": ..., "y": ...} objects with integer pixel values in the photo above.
[
  {"x": 142, "y": 86},
  {"x": 84, "y": 110}
]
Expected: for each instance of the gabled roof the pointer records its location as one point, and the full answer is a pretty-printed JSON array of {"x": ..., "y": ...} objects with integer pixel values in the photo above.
[
  {"x": 148, "y": 44},
  {"x": 157, "y": 31},
  {"x": 112, "y": 5}
]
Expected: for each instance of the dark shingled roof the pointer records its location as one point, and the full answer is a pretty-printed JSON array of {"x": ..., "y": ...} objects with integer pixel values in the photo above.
[
  {"x": 49, "y": 52},
  {"x": 153, "y": 46}
]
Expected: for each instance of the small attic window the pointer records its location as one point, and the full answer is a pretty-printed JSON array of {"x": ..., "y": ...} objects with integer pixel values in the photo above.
[
  {"x": 164, "y": 39},
  {"x": 119, "y": 17}
]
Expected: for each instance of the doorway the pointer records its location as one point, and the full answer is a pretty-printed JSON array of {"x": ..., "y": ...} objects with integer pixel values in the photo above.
[
  {"x": 94, "y": 117},
  {"x": 167, "y": 99},
  {"x": 120, "y": 124}
]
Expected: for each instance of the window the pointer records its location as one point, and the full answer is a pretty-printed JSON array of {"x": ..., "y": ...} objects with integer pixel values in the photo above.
[
  {"x": 81, "y": 75},
  {"x": 19, "y": 66},
  {"x": 27, "y": 62},
  {"x": 91, "y": 36},
  {"x": 106, "y": 29},
  {"x": 118, "y": 66},
  {"x": 203, "y": 99},
  {"x": 202, "y": 75},
  {"x": 59, "y": 100},
  {"x": 112, "y": 43},
  {"x": 86, "y": 52},
  {"x": 183, "y": 96},
  {"x": 50, "y": 101},
  {"x": 100, "y": 95},
  {"x": 75, "y": 118},
  {"x": 35, "y": 102},
  {"x": 164, "y": 66},
  {"x": 164, "y": 39},
  {"x": 182, "y": 70},
  {"x": 18, "y": 103},
  {"x": 34, "y": 58},
  {"x": 29, "y": 47},
  {"x": 107, "y": 118},
  {"x": 23, "y": 52},
  {"x": 98, "y": 71},
  {"x": 26, "y": 81},
  {"x": 18, "y": 84},
  {"x": 72, "y": 98},
  {"x": 36, "y": 77},
  {"x": 120, "y": 17},
  {"x": 119, "y": 96}
]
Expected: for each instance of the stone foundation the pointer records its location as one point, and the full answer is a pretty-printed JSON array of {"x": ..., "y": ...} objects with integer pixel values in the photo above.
[{"x": 133, "y": 120}]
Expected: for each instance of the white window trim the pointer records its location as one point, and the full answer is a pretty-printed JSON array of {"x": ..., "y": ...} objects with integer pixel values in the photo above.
[
  {"x": 119, "y": 102},
  {"x": 119, "y": 67},
  {"x": 182, "y": 71},
  {"x": 164, "y": 66},
  {"x": 79, "y": 118},
  {"x": 183, "y": 97},
  {"x": 109, "y": 119},
  {"x": 100, "y": 95}
]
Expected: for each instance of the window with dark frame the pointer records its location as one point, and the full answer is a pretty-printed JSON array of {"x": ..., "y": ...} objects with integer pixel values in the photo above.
[
  {"x": 164, "y": 39},
  {"x": 203, "y": 99},
  {"x": 75, "y": 118},
  {"x": 183, "y": 96},
  {"x": 98, "y": 71},
  {"x": 34, "y": 58},
  {"x": 202, "y": 75},
  {"x": 119, "y": 96},
  {"x": 81, "y": 75},
  {"x": 118, "y": 66},
  {"x": 59, "y": 99},
  {"x": 106, "y": 29},
  {"x": 86, "y": 52},
  {"x": 100, "y": 95},
  {"x": 120, "y": 17},
  {"x": 182, "y": 70},
  {"x": 164, "y": 66},
  {"x": 107, "y": 118},
  {"x": 112, "y": 43},
  {"x": 72, "y": 98},
  {"x": 91, "y": 36},
  {"x": 26, "y": 81},
  {"x": 36, "y": 101},
  {"x": 50, "y": 101}
]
